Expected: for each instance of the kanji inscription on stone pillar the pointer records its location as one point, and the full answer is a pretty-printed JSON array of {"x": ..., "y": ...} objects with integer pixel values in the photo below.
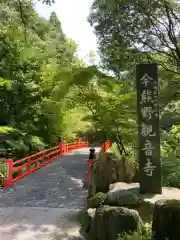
[{"x": 148, "y": 128}]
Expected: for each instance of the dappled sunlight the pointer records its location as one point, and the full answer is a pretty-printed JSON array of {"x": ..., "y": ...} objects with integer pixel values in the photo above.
[
  {"x": 27, "y": 232},
  {"x": 39, "y": 223},
  {"x": 78, "y": 182}
]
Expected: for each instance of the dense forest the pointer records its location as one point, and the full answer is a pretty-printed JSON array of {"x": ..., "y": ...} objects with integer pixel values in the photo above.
[
  {"x": 38, "y": 68},
  {"x": 46, "y": 90}
]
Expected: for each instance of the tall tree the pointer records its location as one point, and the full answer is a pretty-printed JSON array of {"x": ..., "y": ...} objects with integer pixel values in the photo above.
[
  {"x": 131, "y": 31},
  {"x": 54, "y": 20}
]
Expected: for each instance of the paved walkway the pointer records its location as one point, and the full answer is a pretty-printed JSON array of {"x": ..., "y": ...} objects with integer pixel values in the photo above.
[{"x": 43, "y": 204}]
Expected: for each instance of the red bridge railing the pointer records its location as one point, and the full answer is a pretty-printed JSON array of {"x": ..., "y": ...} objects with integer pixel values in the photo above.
[
  {"x": 23, "y": 167},
  {"x": 104, "y": 148}
]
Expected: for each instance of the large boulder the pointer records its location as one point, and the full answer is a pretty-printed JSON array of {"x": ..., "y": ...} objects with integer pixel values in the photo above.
[
  {"x": 124, "y": 194},
  {"x": 109, "y": 169},
  {"x": 110, "y": 221},
  {"x": 127, "y": 195},
  {"x": 166, "y": 220}
]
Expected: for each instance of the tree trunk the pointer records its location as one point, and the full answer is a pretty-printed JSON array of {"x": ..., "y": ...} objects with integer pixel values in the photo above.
[
  {"x": 119, "y": 148},
  {"x": 166, "y": 220}
]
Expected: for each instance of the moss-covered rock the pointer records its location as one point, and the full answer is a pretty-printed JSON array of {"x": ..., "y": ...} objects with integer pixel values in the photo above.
[
  {"x": 97, "y": 200},
  {"x": 108, "y": 169},
  {"x": 110, "y": 221},
  {"x": 166, "y": 220},
  {"x": 128, "y": 195},
  {"x": 85, "y": 218}
]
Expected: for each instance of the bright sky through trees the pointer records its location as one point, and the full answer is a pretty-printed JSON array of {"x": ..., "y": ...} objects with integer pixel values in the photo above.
[{"x": 73, "y": 15}]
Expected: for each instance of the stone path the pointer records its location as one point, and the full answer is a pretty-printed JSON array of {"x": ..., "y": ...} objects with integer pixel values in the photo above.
[{"x": 43, "y": 204}]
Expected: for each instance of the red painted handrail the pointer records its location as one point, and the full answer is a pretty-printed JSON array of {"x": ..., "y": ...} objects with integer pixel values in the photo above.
[
  {"x": 104, "y": 148},
  {"x": 28, "y": 165}
]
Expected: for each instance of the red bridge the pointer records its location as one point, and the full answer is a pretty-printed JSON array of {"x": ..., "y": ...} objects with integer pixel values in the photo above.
[
  {"x": 23, "y": 167},
  {"x": 43, "y": 188}
]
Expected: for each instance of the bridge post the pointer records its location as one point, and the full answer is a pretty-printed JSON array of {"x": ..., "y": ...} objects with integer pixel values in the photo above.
[
  {"x": 8, "y": 181},
  {"x": 60, "y": 144},
  {"x": 77, "y": 143},
  {"x": 92, "y": 157}
]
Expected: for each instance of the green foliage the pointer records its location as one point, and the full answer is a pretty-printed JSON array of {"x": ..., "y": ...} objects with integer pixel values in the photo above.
[
  {"x": 6, "y": 129},
  {"x": 84, "y": 220},
  {"x": 97, "y": 200},
  {"x": 36, "y": 64},
  {"x": 110, "y": 105},
  {"x": 134, "y": 31},
  {"x": 56, "y": 23},
  {"x": 170, "y": 157},
  {"x": 146, "y": 234},
  {"x": 48, "y": 2},
  {"x": 16, "y": 144}
]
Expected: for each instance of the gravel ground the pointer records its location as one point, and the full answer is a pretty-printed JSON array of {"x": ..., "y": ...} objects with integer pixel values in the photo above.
[
  {"x": 24, "y": 223},
  {"x": 48, "y": 197}
]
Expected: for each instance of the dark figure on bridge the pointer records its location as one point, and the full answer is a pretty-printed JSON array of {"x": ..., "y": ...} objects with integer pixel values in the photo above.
[
  {"x": 60, "y": 139},
  {"x": 92, "y": 154}
]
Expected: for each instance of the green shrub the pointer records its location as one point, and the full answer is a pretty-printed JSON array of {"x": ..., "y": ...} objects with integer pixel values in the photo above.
[
  {"x": 97, "y": 200},
  {"x": 170, "y": 153},
  {"x": 146, "y": 234},
  {"x": 173, "y": 180},
  {"x": 16, "y": 144},
  {"x": 171, "y": 171},
  {"x": 84, "y": 220},
  {"x": 35, "y": 144}
]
